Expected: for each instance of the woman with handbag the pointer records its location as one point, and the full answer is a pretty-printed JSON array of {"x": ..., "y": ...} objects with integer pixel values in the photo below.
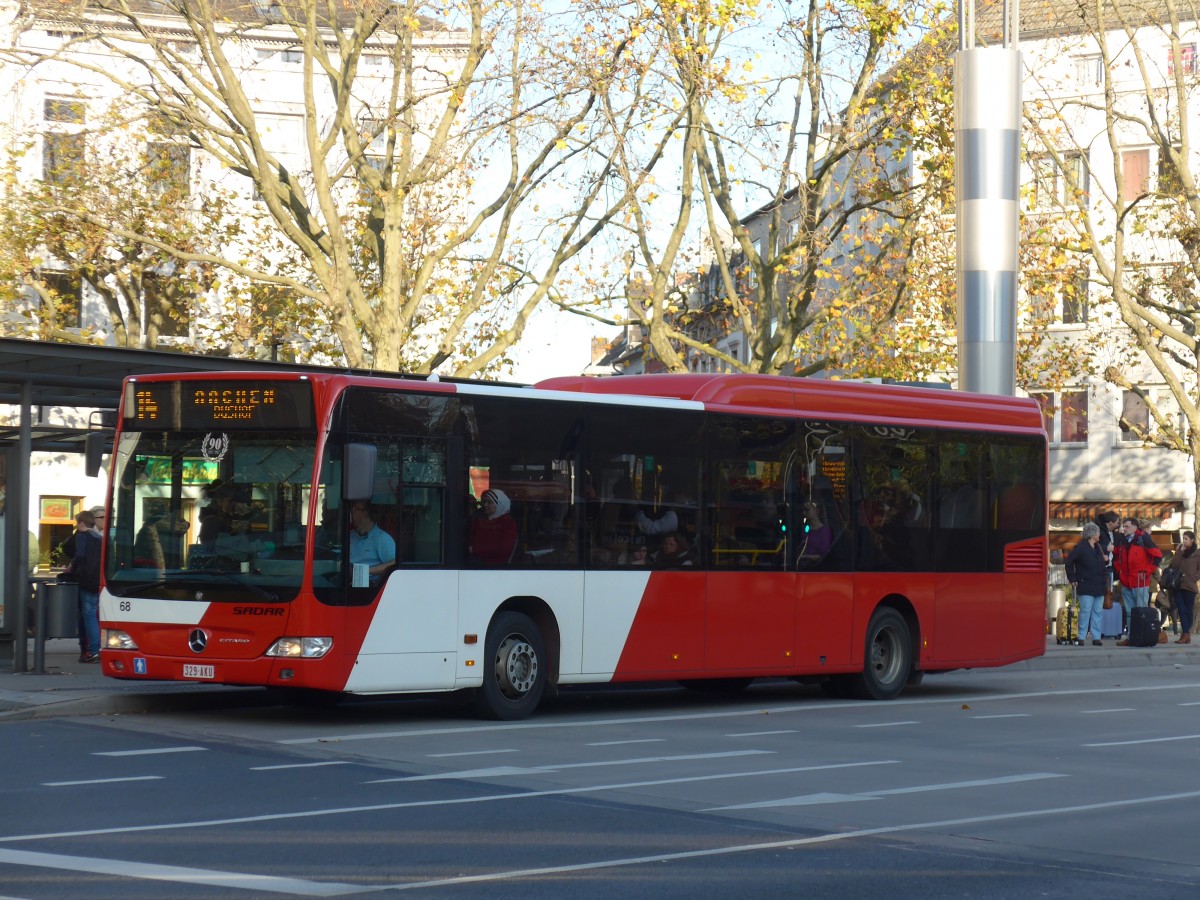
[
  {"x": 1087, "y": 571},
  {"x": 1186, "y": 563}
]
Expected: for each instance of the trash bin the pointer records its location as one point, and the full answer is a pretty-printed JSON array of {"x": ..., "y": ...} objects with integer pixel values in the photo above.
[{"x": 61, "y": 602}]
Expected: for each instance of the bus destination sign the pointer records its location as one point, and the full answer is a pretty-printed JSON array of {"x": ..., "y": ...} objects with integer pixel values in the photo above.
[{"x": 248, "y": 403}]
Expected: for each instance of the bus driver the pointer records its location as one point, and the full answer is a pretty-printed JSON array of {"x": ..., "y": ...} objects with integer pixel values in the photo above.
[{"x": 370, "y": 545}]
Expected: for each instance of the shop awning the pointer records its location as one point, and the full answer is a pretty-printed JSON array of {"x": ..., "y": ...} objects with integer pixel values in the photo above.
[{"x": 1139, "y": 509}]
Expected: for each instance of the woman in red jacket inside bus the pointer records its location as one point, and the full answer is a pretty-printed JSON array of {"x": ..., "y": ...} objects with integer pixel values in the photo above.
[{"x": 493, "y": 536}]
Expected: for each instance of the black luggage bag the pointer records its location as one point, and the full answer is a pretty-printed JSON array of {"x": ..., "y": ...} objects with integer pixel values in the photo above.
[{"x": 1144, "y": 626}]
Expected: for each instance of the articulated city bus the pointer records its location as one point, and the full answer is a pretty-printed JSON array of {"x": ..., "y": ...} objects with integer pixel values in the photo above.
[{"x": 367, "y": 535}]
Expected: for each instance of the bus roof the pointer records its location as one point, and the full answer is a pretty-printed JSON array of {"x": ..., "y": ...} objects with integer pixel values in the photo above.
[
  {"x": 731, "y": 393},
  {"x": 817, "y": 397}
]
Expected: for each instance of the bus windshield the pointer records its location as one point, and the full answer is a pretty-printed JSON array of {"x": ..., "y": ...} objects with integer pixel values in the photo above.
[{"x": 207, "y": 515}]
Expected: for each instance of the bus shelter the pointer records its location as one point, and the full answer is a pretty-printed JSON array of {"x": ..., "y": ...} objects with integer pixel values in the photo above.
[{"x": 36, "y": 376}]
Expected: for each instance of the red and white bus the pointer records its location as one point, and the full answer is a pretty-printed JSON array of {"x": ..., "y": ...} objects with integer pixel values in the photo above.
[{"x": 708, "y": 529}]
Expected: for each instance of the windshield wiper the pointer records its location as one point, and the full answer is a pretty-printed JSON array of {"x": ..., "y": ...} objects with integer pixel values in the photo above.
[
  {"x": 124, "y": 590},
  {"x": 236, "y": 578}
]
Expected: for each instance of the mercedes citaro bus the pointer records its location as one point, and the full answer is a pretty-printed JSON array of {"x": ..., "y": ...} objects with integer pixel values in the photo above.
[{"x": 706, "y": 529}]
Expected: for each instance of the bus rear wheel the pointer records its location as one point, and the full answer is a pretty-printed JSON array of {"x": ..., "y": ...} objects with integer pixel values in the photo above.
[
  {"x": 888, "y": 662},
  {"x": 514, "y": 673}
]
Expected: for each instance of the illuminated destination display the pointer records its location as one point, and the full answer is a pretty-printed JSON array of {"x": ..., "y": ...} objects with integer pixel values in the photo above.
[
  {"x": 250, "y": 403},
  {"x": 236, "y": 403}
]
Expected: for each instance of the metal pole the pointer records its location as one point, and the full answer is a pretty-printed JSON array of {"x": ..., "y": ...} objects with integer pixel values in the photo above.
[
  {"x": 39, "y": 630},
  {"x": 17, "y": 510},
  {"x": 987, "y": 106}
]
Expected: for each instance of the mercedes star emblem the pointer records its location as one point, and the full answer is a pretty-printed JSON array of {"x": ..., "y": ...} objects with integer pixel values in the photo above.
[{"x": 197, "y": 640}]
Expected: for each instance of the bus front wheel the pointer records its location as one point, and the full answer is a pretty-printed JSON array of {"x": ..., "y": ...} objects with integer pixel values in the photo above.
[
  {"x": 514, "y": 673},
  {"x": 888, "y": 663}
]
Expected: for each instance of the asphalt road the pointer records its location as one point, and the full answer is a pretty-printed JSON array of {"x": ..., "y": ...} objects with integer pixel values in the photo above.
[{"x": 980, "y": 784}]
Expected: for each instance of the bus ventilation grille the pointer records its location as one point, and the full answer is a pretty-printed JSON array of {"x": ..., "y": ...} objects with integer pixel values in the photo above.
[{"x": 1025, "y": 558}]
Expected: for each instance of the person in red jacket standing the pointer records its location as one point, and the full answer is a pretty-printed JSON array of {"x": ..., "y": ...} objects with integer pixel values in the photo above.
[{"x": 1136, "y": 557}]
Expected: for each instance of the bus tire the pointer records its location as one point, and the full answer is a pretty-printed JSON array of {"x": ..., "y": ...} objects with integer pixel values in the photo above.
[
  {"x": 888, "y": 661},
  {"x": 514, "y": 670}
]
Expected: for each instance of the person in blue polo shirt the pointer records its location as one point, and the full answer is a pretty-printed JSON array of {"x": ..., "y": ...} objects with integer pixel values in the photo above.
[{"x": 370, "y": 545}]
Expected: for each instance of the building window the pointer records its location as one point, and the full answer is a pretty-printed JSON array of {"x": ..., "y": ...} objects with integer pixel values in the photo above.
[
  {"x": 169, "y": 168},
  {"x": 1065, "y": 415},
  {"x": 1075, "y": 300},
  {"x": 63, "y": 109},
  {"x": 292, "y": 56},
  {"x": 1135, "y": 172},
  {"x": 63, "y": 158},
  {"x": 1059, "y": 182},
  {"x": 1135, "y": 418},
  {"x": 1089, "y": 70},
  {"x": 1169, "y": 181},
  {"x": 1187, "y": 60},
  {"x": 64, "y": 291}
]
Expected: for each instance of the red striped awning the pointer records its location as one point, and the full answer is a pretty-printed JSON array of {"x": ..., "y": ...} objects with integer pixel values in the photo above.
[{"x": 1139, "y": 509}]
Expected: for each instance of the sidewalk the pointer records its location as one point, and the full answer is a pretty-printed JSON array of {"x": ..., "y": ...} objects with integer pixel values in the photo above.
[{"x": 71, "y": 688}]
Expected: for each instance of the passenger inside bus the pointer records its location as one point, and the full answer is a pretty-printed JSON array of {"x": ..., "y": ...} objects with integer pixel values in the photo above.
[
  {"x": 817, "y": 539},
  {"x": 675, "y": 552},
  {"x": 492, "y": 537}
]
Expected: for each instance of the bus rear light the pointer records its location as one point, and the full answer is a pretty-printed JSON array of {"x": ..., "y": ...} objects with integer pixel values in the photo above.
[
  {"x": 115, "y": 639},
  {"x": 301, "y": 647}
]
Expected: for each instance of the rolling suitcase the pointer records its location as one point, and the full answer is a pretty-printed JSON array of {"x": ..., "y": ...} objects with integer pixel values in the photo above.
[
  {"x": 1110, "y": 621},
  {"x": 1066, "y": 626},
  {"x": 1144, "y": 627}
]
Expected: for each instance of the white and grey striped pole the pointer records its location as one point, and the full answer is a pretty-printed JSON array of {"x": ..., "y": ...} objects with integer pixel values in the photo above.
[{"x": 987, "y": 115}]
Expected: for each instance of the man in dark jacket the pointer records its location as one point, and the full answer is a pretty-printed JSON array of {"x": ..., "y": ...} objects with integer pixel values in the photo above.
[
  {"x": 86, "y": 569},
  {"x": 1107, "y": 522}
]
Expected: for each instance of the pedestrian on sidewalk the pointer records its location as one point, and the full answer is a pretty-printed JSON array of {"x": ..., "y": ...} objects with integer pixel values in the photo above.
[
  {"x": 1187, "y": 561},
  {"x": 86, "y": 569},
  {"x": 1087, "y": 572},
  {"x": 1136, "y": 560}
]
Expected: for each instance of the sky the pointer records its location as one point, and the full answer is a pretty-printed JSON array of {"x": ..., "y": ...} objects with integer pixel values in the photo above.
[{"x": 556, "y": 343}]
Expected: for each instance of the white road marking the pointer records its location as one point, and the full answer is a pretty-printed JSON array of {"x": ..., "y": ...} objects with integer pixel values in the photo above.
[
  {"x": 786, "y": 844},
  {"x": 542, "y": 724},
  {"x": 470, "y": 753},
  {"x": 1193, "y": 703},
  {"x": 555, "y": 767},
  {"x": 101, "y": 781},
  {"x": 1161, "y": 740},
  {"x": 312, "y": 765},
  {"x": 1005, "y": 716},
  {"x": 149, "y": 752},
  {"x": 209, "y": 878},
  {"x": 889, "y": 724},
  {"x": 1096, "y": 712},
  {"x": 616, "y": 743},
  {"x": 817, "y": 799},
  {"x": 761, "y": 733},
  {"x": 413, "y": 804}
]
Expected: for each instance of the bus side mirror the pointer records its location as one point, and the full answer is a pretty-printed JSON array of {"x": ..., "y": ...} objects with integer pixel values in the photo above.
[
  {"x": 94, "y": 445},
  {"x": 358, "y": 472}
]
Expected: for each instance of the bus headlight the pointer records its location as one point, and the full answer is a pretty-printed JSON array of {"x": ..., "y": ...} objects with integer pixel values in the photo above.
[
  {"x": 115, "y": 639},
  {"x": 301, "y": 647}
]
